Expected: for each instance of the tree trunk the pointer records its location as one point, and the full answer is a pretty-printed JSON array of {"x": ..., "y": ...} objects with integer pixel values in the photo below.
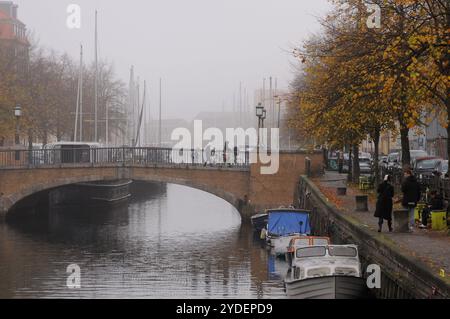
[
  {"x": 356, "y": 171},
  {"x": 45, "y": 139},
  {"x": 447, "y": 104},
  {"x": 376, "y": 142},
  {"x": 350, "y": 166},
  {"x": 30, "y": 146},
  {"x": 406, "y": 156},
  {"x": 58, "y": 134},
  {"x": 30, "y": 139}
]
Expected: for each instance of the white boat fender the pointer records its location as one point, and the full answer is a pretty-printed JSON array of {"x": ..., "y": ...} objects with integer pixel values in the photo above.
[{"x": 263, "y": 234}]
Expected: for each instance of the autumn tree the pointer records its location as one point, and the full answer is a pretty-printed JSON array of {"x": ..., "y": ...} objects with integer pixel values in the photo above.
[
  {"x": 47, "y": 91},
  {"x": 359, "y": 81}
]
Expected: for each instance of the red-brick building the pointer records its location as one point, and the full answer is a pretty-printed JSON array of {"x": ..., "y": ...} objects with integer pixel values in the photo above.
[
  {"x": 14, "y": 48},
  {"x": 12, "y": 31}
]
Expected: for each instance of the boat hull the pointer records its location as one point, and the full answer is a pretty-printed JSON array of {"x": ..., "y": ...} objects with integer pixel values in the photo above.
[
  {"x": 330, "y": 287},
  {"x": 105, "y": 192}
]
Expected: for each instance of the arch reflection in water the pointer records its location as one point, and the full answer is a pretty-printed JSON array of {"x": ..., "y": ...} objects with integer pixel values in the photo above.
[{"x": 169, "y": 241}]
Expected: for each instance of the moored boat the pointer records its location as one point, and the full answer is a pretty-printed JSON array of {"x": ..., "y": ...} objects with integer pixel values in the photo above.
[
  {"x": 259, "y": 222},
  {"x": 283, "y": 225},
  {"x": 326, "y": 272},
  {"x": 106, "y": 191}
]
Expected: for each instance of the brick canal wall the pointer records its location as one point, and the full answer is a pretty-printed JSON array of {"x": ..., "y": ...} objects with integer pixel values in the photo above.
[
  {"x": 275, "y": 190},
  {"x": 402, "y": 276}
]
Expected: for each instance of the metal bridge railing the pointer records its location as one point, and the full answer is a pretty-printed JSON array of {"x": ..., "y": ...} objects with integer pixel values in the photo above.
[{"x": 123, "y": 155}]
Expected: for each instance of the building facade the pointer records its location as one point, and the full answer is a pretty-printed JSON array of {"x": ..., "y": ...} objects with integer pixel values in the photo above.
[
  {"x": 14, "y": 56},
  {"x": 13, "y": 32}
]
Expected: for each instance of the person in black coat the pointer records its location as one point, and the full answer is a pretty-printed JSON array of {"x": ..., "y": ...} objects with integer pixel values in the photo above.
[
  {"x": 411, "y": 195},
  {"x": 384, "y": 203}
]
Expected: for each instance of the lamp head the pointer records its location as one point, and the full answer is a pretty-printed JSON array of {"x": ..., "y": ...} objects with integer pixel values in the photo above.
[
  {"x": 259, "y": 110},
  {"x": 18, "y": 111}
]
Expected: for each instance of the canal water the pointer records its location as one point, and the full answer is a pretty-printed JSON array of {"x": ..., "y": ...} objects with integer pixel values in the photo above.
[{"x": 169, "y": 241}]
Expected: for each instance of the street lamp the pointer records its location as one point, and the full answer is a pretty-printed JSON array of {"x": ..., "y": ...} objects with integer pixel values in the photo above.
[
  {"x": 17, "y": 114},
  {"x": 259, "y": 110},
  {"x": 261, "y": 114},
  {"x": 18, "y": 111}
]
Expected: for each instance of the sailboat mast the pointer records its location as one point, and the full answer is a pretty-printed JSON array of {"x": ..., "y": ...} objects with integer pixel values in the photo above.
[
  {"x": 160, "y": 111},
  {"x": 130, "y": 116},
  {"x": 138, "y": 101},
  {"x": 96, "y": 82},
  {"x": 146, "y": 112},
  {"x": 81, "y": 94},
  {"x": 79, "y": 98},
  {"x": 75, "y": 134}
]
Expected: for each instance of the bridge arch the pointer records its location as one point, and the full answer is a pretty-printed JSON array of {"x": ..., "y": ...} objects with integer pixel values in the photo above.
[
  {"x": 245, "y": 188},
  {"x": 25, "y": 183}
]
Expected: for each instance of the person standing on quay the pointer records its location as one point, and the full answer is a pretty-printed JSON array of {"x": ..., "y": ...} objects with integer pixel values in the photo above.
[
  {"x": 384, "y": 203},
  {"x": 411, "y": 195}
]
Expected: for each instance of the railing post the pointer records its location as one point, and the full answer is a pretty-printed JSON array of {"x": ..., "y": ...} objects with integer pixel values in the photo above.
[{"x": 308, "y": 166}]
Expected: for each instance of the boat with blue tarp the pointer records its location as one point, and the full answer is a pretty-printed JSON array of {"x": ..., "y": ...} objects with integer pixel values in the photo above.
[{"x": 284, "y": 224}]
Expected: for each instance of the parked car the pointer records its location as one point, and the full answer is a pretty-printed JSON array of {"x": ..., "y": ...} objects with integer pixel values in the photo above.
[
  {"x": 393, "y": 161},
  {"x": 426, "y": 166},
  {"x": 365, "y": 155},
  {"x": 365, "y": 165},
  {"x": 414, "y": 154},
  {"x": 444, "y": 168}
]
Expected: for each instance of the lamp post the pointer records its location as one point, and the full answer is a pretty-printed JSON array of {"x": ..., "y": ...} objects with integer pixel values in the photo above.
[
  {"x": 261, "y": 114},
  {"x": 17, "y": 114}
]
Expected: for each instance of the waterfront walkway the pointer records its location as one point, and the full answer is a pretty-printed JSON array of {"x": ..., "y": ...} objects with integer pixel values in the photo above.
[{"x": 432, "y": 248}]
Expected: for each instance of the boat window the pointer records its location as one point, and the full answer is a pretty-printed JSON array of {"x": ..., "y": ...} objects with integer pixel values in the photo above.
[
  {"x": 311, "y": 252},
  {"x": 302, "y": 242},
  {"x": 342, "y": 251},
  {"x": 320, "y": 241}
]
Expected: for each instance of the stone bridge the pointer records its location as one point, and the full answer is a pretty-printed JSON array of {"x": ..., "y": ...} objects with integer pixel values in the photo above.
[{"x": 243, "y": 185}]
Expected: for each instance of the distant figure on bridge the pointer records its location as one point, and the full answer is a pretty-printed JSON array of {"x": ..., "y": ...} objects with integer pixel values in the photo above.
[
  {"x": 411, "y": 195},
  {"x": 224, "y": 155},
  {"x": 235, "y": 154},
  {"x": 196, "y": 153},
  {"x": 384, "y": 203}
]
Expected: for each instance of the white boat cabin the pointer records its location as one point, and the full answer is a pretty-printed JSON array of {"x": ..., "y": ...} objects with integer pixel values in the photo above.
[{"x": 325, "y": 260}]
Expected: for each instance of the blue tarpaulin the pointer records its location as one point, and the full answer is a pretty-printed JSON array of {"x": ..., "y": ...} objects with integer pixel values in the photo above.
[{"x": 284, "y": 223}]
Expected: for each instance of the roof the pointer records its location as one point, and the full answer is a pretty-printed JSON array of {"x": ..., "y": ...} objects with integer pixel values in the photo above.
[{"x": 90, "y": 144}]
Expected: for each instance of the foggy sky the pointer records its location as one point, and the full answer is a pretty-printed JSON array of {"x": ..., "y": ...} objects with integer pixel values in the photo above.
[{"x": 201, "y": 48}]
